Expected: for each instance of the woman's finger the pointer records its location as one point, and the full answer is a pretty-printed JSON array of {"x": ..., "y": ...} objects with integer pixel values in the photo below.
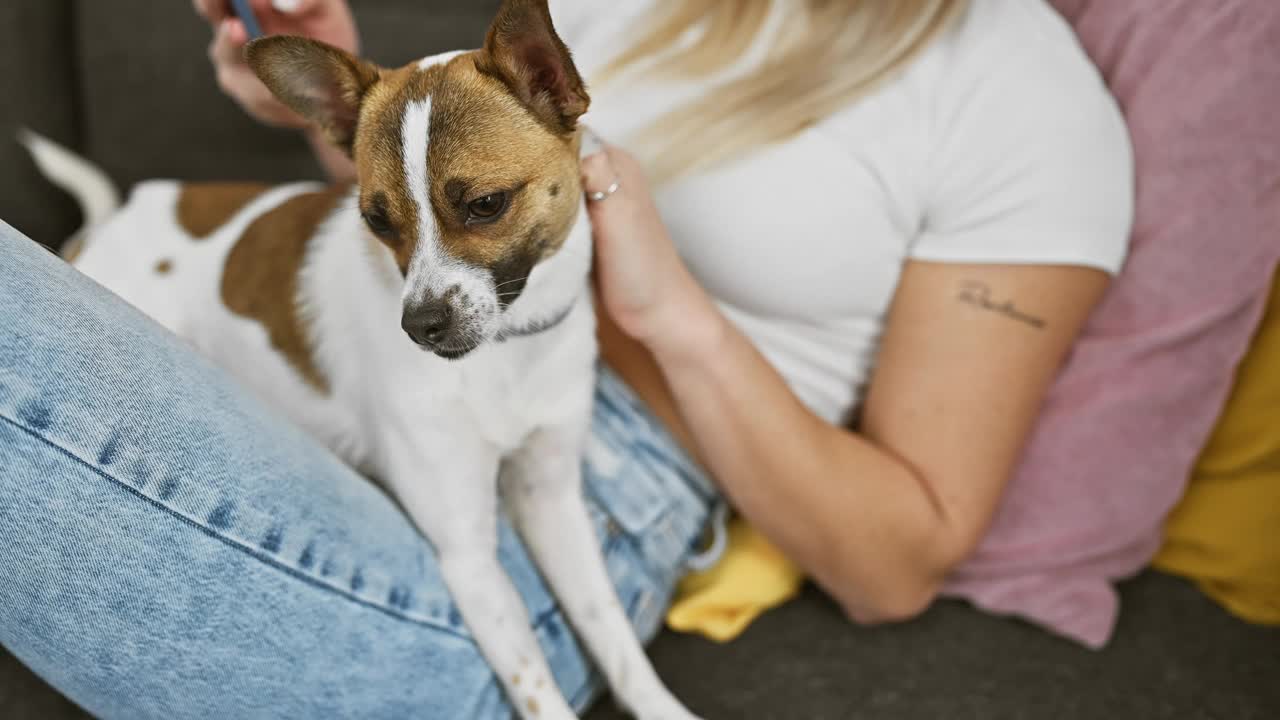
[
  {"x": 600, "y": 179},
  {"x": 227, "y": 53},
  {"x": 227, "y": 48},
  {"x": 211, "y": 10},
  {"x": 598, "y": 176},
  {"x": 237, "y": 37}
]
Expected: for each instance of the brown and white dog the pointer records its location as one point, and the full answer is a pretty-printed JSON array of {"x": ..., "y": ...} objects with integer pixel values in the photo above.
[{"x": 467, "y": 232}]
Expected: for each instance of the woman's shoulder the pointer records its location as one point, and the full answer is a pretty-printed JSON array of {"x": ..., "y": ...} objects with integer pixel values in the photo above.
[
  {"x": 1008, "y": 70},
  {"x": 1016, "y": 50},
  {"x": 1026, "y": 152}
]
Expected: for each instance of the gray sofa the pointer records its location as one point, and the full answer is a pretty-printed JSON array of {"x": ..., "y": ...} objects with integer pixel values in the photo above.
[{"x": 126, "y": 82}]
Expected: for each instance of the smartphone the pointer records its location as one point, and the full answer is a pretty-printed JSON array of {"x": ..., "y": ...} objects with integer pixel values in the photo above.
[{"x": 245, "y": 13}]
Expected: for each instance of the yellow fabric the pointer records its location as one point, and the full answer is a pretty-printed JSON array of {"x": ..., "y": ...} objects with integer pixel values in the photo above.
[
  {"x": 1225, "y": 533},
  {"x": 751, "y": 577}
]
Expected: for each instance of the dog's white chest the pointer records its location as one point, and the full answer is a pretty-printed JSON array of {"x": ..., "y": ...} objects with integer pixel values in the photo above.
[{"x": 502, "y": 391}]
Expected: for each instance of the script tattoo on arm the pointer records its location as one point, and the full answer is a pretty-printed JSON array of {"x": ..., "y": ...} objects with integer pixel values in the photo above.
[{"x": 978, "y": 294}]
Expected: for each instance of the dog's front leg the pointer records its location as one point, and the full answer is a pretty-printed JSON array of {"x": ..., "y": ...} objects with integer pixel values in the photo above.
[
  {"x": 455, "y": 505},
  {"x": 542, "y": 484}
]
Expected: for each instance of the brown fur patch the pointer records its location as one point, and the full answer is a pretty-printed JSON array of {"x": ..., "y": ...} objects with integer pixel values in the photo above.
[
  {"x": 523, "y": 50},
  {"x": 204, "y": 207},
  {"x": 486, "y": 140},
  {"x": 483, "y": 140},
  {"x": 164, "y": 267},
  {"x": 260, "y": 280}
]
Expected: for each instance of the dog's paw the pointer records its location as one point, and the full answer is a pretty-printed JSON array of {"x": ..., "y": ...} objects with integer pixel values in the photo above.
[{"x": 558, "y": 709}]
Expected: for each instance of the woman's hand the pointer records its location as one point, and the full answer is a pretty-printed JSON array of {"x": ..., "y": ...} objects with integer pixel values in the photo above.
[
  {"x": 642, "y": 282},
  {"x": 329, "y": 21}
]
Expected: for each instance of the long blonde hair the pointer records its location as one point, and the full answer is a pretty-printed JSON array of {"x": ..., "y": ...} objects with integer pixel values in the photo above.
[{"x": 826, "y": 54}]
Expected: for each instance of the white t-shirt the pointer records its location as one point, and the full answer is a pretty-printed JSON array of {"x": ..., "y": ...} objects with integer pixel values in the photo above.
[{"x": 999, "y": 144}]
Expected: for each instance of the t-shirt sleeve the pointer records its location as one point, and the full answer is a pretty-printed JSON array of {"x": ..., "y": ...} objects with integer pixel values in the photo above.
[{"x": 1030, "y": 164}]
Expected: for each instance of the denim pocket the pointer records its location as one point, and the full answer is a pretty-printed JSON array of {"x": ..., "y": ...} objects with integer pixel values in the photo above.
[{"x": 629, "y": 479}]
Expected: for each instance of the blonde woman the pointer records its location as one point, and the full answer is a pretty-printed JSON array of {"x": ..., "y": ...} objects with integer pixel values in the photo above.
[{"x": 846, "y": 251}]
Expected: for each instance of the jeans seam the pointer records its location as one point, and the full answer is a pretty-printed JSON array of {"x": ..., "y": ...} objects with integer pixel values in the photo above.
[{"x": 235, "y": 544}]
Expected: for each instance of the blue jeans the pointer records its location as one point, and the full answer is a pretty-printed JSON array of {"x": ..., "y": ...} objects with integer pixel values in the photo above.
[{"x": 171, "y": 548}]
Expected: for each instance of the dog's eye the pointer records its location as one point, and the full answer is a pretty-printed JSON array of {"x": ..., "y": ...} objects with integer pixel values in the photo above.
[
  {"x": 378, "y": 223},
  {"x": 486, "y": 208}
]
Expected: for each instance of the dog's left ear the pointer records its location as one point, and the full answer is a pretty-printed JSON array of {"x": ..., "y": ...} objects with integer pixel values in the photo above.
[
  {"x": 321, "y": 83},
  {"x": 523, "y": 50}
]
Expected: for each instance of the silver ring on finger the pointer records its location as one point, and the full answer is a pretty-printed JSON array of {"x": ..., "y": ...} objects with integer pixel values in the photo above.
[{"x": 602, "y": 195}]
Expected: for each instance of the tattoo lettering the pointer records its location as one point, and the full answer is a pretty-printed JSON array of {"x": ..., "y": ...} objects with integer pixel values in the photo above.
[{"x": 978, "y": 294}]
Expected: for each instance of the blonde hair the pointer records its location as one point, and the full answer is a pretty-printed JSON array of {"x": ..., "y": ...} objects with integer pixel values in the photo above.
[{"x": 825, "y": 55}]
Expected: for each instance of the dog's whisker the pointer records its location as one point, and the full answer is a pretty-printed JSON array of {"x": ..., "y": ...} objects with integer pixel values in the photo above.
[{"x": 509, "y": 282}]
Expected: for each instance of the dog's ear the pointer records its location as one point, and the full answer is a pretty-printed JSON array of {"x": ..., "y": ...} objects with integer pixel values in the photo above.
[
  {"x": 523, "y": 50},
  {"x": 321, "y": 83}
]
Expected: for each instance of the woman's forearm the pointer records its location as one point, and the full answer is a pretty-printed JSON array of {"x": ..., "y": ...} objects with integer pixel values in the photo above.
[
  {"x": 856, "y": 518},
  {"x": 861, "y": 522}
]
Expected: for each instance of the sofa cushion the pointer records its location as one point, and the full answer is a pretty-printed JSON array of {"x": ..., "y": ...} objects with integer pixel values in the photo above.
[
  {"x": 1174, "y": 655},
  {"x": 1199, "y": 83},
  {"x": 1223, "y": 533}
]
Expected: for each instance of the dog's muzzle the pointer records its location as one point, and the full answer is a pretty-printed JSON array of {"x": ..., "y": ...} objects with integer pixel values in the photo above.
[{"x": 433, "y": 325}]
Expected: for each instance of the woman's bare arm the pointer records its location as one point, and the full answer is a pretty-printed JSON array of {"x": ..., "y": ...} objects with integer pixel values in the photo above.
[{"x": 878, "y": 516}]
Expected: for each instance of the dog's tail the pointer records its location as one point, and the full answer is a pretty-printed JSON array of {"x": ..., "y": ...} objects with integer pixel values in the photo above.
[{"x": 87, "y": 183}]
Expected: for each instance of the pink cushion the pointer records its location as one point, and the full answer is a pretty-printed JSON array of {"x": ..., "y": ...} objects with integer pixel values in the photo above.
[{"x": 1200, "y": 86}]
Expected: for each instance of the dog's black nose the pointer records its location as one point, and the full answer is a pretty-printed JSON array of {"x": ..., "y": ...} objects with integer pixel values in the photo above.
[{"x": 428, "y": 323}]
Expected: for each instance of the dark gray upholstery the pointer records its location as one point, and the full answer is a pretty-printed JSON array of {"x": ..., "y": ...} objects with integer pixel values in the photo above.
[
  {"x": 37, "y": 88},
  {"x": 1175, "y": 655},
  {"x": 127, "y": 83}
]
